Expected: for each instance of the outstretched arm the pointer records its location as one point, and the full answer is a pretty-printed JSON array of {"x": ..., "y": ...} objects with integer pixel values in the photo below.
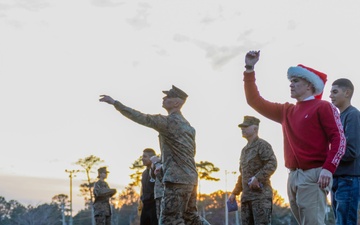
[{"x": 157, "y": 122}]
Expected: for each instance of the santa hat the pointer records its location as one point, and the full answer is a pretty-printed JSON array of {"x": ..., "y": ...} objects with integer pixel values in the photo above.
[{"x": 317, "y": 78}]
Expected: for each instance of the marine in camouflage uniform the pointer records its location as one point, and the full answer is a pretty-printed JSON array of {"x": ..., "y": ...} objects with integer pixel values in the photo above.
[
  {"x": 102, "y": 193},
  {"x": 159, "y": 187},
  {"x": 177, "y": 144},
  {"x": 257, "y": 164}
]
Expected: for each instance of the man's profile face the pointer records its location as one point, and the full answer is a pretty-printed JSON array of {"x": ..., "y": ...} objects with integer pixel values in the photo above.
[
  {"x": 337, "y": 95},
  {"x": 146, "y": 159},
  {"x": 169, "y": 102}
]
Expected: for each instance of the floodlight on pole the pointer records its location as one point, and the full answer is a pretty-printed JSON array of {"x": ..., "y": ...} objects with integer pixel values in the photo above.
[{"x": 71, "y": 175}]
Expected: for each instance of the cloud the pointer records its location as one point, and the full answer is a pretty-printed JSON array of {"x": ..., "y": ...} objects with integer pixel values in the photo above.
[
  {"x": 218, "y": 55},
  {"x": 291, "y": 25},
  {"x": 107, "y": 3},
  {"x": 140, "y": 20},
  {"x": 33, "y": 5},
  {"x": 17, "y": 21}
]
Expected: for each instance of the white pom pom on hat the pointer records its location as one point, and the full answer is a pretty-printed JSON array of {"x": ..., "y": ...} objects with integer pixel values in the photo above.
[{"x": 317, "y": 78}]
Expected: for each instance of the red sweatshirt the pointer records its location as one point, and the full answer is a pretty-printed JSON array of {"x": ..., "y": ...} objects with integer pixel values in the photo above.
[{"x": 313, "y": 134}]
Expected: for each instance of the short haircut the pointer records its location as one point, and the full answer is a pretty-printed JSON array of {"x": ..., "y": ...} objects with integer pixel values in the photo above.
[
  {"x": 149, "y": 151},
  {"x": 344, "y": 84}
]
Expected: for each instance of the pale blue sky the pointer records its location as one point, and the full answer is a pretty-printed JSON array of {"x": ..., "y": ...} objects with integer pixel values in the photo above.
[{"x": 57, "y": 57}]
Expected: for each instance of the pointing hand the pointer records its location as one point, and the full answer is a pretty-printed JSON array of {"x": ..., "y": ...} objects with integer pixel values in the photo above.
[{"x": 107, "y": 99}]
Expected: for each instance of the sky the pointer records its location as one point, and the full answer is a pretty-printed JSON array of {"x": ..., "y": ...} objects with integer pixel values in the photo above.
[{"x": 57, "y": 57}]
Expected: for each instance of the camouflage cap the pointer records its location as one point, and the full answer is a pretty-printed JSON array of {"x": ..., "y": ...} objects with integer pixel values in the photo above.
[
  {"x": 249, "y": 120},
  {"x": 176, "y": 92},
  {"x": 103, "y": 170}
]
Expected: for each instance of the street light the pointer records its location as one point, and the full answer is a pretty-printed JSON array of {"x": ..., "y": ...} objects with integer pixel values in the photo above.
[
  {"x": 226, "y": 198},
  {"x": 71, "y": 175}
]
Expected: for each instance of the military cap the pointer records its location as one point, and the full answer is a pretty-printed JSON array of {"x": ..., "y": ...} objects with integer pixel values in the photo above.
[
  {"x": 176, "y": 92},
  {"x": 103, "y": 170},
  {"x": 249, "y": 120}
]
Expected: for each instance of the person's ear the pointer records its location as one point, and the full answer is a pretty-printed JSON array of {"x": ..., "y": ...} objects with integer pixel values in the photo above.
[{"x": 347, "y": 93}]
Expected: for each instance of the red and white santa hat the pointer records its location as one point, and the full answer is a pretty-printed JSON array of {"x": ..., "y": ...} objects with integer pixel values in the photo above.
[{"x": 317, "y": 78}]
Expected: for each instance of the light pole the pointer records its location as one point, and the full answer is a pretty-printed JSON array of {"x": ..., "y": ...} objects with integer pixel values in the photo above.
[
  {"x": 71, "y": 175},
  {"x": 237, "y": 212},
  {"x": 226, "y": 198}
]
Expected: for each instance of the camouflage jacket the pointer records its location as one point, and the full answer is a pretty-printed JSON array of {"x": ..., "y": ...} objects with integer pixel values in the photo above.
[
  {"x": 257, "y": 159},
  {"x": 159, "y": 186},
  {"x": 177, "y": 143},
  {"x": 102, "y": 194}
]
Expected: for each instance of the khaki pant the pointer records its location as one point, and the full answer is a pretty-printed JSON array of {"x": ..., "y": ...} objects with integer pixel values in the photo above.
[{"x": 307, "y": 199}]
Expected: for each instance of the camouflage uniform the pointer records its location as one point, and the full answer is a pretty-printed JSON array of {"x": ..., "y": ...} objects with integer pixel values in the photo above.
[
  {"x": 102, "y": 210},
  {"x": 158, "y": 192},
  {"x": 257, "y": 159},
  {"x": 177, "y": 144}
]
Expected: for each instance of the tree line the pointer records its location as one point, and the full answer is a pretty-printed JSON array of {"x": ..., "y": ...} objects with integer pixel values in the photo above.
[{"x": 125, "y": 203}]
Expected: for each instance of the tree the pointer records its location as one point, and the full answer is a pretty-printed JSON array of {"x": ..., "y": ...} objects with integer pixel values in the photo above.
[
  {"x": 84, "y": 191},
  {"x": 126, "y": 203},
  {"x": 45, "y": 214},
  {"x": 83, "y": 217},
  {"x": 281, "y": 213},
  {"x": 136, "y": 176},
  {"x": 87, "y": 163},
  {"x": 215, "y": 208},
  {"x": 63, "y": 202},
  {"x": 10, "y": 210},
  {"x": 205, "y": 169}
]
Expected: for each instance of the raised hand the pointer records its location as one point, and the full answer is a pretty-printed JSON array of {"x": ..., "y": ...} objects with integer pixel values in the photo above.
[{"x": 251, "y": 58}]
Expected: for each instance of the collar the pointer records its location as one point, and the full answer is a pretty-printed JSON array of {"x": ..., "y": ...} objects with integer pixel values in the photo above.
[{"x": 309, "y": 98}]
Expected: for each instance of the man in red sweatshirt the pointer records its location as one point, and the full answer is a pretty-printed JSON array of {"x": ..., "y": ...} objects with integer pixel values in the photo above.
[{"x": 314, "y": 141}]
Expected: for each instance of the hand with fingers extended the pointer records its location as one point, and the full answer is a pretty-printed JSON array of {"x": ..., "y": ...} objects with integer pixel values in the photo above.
[
  {"x": 251, "y": 58},
  {"x": 107, "y": 99}
]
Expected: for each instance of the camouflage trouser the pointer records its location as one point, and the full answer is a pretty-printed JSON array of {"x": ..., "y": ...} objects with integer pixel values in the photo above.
[
  {"x": 178, "y": 206},
  {"x": 158, "y": 207},
  {"x": 103, "y": 220},
  {"x": 256, "y": 212}
]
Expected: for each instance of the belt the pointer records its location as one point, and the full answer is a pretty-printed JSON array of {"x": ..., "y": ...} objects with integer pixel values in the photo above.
[{"x": 293, "y": 169}]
